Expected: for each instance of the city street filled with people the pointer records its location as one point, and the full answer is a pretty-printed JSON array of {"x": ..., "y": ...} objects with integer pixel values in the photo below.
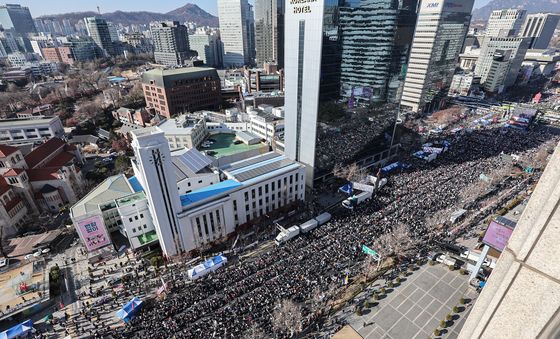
[{"x": 311, "y": 269}]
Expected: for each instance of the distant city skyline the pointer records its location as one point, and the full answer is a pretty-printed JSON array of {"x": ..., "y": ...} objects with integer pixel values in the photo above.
[{"x": 41, "y": 7}]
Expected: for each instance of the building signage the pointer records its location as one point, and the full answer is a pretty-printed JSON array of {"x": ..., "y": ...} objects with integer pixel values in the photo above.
[
  {"x": 497, "y": 235},
  {"x": 93, "y": 233},
  {"x": 371, "y": 252},
  {"x": 301, "y": 6}
]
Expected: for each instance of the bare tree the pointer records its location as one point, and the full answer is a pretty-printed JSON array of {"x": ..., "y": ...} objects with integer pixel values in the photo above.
[
  {"x": 254, "y": 332},
  {"x": 369, "y": 267},
  {"x": 351, "y": 172},
  {"x": 287, "y": 318},
  {"x": 397, "y": 242}
]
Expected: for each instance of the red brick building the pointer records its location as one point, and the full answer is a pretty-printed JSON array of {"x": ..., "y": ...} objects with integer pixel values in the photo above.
[
  {"x": 58, "y": 54},
  {"x": 180, "y": 90}
]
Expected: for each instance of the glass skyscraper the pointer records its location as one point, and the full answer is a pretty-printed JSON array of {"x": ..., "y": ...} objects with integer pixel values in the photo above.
[
  {"x": 343, "y": 53},
  {"x": 376, "y": 36}
]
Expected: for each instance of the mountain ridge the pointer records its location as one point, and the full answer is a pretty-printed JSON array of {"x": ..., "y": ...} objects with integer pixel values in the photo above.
[
  {"x": 187, "y": 13},
  {"x": 532, "y": 6}
]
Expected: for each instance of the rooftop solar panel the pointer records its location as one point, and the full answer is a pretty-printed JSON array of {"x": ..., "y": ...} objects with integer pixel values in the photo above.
[
  {"x": 253, "y": 173},
  {"x": 253, "y": 161}
]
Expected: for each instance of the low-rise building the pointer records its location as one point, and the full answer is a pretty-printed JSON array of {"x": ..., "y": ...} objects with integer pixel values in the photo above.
[
  {"x": 253, "y": 188},
  {"x": 118, "y": 205},
  {"x": 45, "y": 180},
  {"x": 462, "y": 84},
  {"x": 20, "y": 131},
  {"x": 184, "y": 131},
  {"x": 140, "y": 117}
]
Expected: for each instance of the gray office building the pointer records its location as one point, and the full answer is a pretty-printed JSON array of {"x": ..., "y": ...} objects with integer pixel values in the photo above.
[
  {"x": 540, "y": 28},
  {"x": 171, "y": 43},
  {"x": 438, "y": 39},
  {"x": 269, "y": 33},
  {"x": 98, "y": 30},
  {"x": 17, "y": 18},
  {"x": 209, "y": 48}
]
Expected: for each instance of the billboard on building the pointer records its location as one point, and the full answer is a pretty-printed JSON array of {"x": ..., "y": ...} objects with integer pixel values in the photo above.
[
  {"x": 93, "y": 233},
  {"x": 497, "y": 235}
]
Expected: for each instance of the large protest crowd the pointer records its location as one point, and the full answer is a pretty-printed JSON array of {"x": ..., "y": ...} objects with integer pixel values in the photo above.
[
  {"x": 344, "y": 140},
  {"x": 307, "y": 270}
]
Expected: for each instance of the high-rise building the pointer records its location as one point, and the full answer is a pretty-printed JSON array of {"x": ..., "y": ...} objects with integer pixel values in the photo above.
[
  {"x": 505, "y": 22},
  {"x": 500, "y": 61},
  {"x": 376, "y": 36},
  {"x": 540, "y": 28},
  {"x": 269, "y": 33},
  {"x": 440, "y": 32},
  {"x": 113, "y": 33},
  {"x": 208, "y": 47},
  {"x": 17, "y": 18},
  {"x": 171, "y": 43},
  {"x": 250, "y": 26},
  {"x": 234, "y": 32},
  {"x": 325, "y": 37},
  {"x": 98, "y": 30}
]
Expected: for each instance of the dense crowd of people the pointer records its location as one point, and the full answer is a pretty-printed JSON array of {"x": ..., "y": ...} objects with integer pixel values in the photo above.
[
  {"x": 345, "y": 140},
  {"x": 309, "y": 269}
]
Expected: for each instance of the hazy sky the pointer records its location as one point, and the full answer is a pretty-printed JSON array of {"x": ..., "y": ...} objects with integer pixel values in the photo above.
[{"x": 42, "y": 7}]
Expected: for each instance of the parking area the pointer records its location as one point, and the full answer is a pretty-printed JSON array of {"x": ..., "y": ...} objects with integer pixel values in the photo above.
[{"x": 415, "y": 308}]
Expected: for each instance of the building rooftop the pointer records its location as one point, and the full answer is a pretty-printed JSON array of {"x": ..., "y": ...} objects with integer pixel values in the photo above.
[
  {"x": 6, "y": 150},
  {"x": 41, "y": 152},
  {"x": 190, "y": 163},
  {"x": 224, "y": 145},
  {"x": 166, "y": 77},
  {"x": 7, "y": 123},
  {"x": 259, "y": 167},
  {"x": 112, "y": 188},
  {"x": 179, "y": 125},
  {"x": 131, "y": 199},
  {"x": 209, "y": 191}
]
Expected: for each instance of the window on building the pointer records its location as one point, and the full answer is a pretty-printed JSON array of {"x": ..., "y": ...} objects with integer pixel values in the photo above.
[
  {"x": 130, "y": 219},
  {"x": 141, "y": 215},
  {"x": 135, "y": 217}
]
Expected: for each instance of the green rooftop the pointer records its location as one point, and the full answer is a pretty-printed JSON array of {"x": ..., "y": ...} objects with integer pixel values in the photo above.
[
  {"x": 147, "y": 238},
  {"x": 224, "y": 145}
]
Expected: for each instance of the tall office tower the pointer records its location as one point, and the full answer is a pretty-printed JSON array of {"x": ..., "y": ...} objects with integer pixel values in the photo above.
[
  {"x": 171, "y": 43},
  {"x": 250, "y": 24},
  {"x": 153, "y": 168},
  {"x": 40, "y": 26},
  {"x": 98, "y": 30},
  {"x": 67, "y": 27},
  {"x": 269, "y": 33},
  {"x": 540, "y": 28},
  {"x": 234, "y": 33},
  {"x": 17, "y": 18},
  {"x": 440, "y": 32},
  {"x": 207, "y": 45},
  {"x": 500, "y": 61},
  {"x": 113, "y": 33},
  {"x": 376, "y": 36},
  {"x": 324, "y": 37},
  {"x": 505, "y": 22}
]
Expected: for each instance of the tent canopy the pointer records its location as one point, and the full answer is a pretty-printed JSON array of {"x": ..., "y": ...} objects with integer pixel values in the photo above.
[
  {"x": 208, "y": 266},
  {"x": 129, "y": 310},
  {"x": 18, "y": 330}
]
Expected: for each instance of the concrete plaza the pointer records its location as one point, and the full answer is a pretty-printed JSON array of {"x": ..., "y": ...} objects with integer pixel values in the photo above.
[{"x": 415, "y": 308}]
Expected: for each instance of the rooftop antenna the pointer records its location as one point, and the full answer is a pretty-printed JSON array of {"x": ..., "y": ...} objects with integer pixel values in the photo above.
[{"x": 98, "y": 10}]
